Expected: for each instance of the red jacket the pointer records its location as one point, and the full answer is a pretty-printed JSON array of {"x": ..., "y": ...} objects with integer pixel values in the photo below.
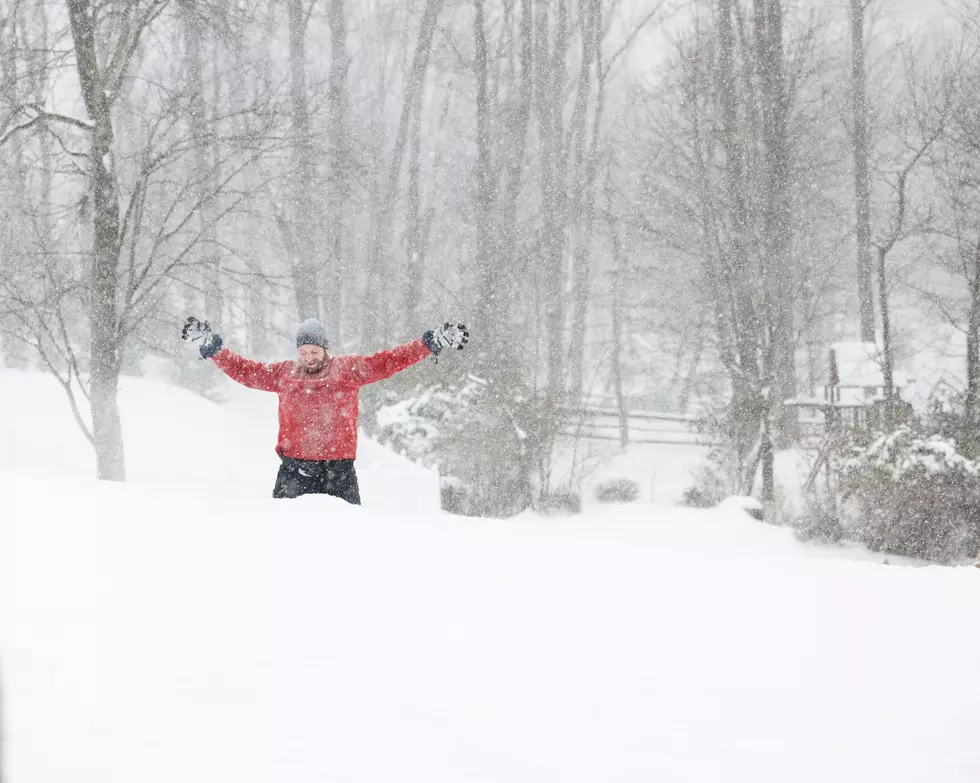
[{"x": 318, "y": 412}]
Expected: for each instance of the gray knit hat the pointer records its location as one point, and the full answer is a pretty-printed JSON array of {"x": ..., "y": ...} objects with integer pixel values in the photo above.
[{"x": 312, "y": 332}]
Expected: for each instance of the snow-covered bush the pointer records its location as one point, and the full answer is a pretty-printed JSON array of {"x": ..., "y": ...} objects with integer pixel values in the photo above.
[
  {"x": 485, "y": 439},
  {"x": 949, "y": 417},
  {"x": 745, "y": 504},
  {"x": 913, "y": 495},
  {"x": 621, "y": 490},
  {"x": 556, "y": 503},
  {"x": 413, "y": 424},
  {"x": 710, "y": 487},
  {"x": 818, "y": 522}
]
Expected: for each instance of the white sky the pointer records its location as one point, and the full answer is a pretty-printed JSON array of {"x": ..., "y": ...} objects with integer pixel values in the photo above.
[{"x": 895, "y": 17}]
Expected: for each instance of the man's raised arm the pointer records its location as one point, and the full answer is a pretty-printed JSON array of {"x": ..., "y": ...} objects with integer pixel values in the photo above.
[
  {"x": 254, "y": 375},
  {"x": 384, "y": 364}
]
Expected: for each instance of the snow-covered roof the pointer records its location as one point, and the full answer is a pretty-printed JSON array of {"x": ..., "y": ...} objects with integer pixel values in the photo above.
[
  {"x": 846, "y": 398},
  {"x": 856, "y": 377},
  {"x": 858, "y": 364}
]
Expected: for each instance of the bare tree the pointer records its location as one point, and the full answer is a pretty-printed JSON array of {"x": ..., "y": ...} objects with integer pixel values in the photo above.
[
  {"x": 724, "y": 203},
  {"x": 378, "y": 317},
  {"x": 551, "y": 44},
  {"x": 953, "y": 227},
  {"x": 921, "y": 125},
  {"x": 961, "y": 181},
  {"x": 339, "y": 265},
  {"x": 13, "y": 190},
  {"x": 301, "y": 230},
  {"x": 616, "y": 306},
  {"x": 861, "y": 146},
  {"x": 487, "y": 266},
  {"x": 583, "y": 194},
  {"x": 145, "y": 220},
  {"x": 101, "y": 80},
  {"x": 743, "y": 348}
]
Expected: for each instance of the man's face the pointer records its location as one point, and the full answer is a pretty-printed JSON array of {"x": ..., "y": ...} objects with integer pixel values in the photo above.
[{"x": 312, "y": 357}]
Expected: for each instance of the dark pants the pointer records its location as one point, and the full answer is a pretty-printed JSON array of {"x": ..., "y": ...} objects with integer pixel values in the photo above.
[{"x": 310, "y": 477}]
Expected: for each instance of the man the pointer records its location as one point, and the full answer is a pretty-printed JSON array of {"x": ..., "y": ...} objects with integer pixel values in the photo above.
[{"x": 318, "y": 400}]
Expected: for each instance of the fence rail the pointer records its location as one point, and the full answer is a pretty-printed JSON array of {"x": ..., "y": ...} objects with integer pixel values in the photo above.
[
  {"x": 602, "y": 424},
  {"x": 670, "y": 429}
]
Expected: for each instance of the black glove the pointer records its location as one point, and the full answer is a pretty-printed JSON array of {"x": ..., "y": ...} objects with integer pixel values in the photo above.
[
  {"x": 446, "y": 336},
  {"x": 199, "y": 337}
]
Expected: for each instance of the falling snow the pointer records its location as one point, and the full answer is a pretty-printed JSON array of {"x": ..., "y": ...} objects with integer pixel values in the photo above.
[{"x": 542, "y": 265}]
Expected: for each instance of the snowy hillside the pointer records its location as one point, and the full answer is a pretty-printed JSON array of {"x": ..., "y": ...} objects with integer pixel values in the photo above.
[{"x": 175, "y": 438}]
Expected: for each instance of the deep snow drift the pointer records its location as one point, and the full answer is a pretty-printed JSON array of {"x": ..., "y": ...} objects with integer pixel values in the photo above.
[
  {"x": 188, "y": 631},
  {"x": 311, "y": 641}
]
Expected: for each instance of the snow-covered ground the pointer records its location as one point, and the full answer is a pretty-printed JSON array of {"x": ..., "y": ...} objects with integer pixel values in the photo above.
[
  {"x": 662, "y": 473},
  {"x": 177, "y": 629}
]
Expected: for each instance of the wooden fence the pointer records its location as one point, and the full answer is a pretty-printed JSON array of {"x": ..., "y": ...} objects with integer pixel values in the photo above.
[
  {"x": 602, "y": 424},
  {"x": 671, "y": 429}
]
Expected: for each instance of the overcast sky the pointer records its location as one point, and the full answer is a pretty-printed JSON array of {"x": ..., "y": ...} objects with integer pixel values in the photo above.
[{"x": 894, "y": 17}]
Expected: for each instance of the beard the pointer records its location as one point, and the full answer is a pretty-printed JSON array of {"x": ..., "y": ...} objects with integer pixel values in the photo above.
[{"x": 312, "y": 368}]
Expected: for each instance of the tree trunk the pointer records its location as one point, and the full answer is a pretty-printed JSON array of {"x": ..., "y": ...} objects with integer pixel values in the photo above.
[
  {"x": 687, "y": 383},
  {"x": 378, "y": 318},
  {"x": 104, "y": 335},
  {"x": 886, "y": 339},
  {"x": 305, "y": 278},
  {"x": 422, "y": 213},
  {"x": 41, "y": 71},
  {"x": 12, "y": 242},
  {"x": 583, "y": 196},
  {"x": 338, "y": 270},
  {"x": 973, "y": 347},
  {"x": 617, "y": 326},
  {"x": 747, "y": 408},
  {"x": 549, "y": 100},
  {"x": 517, "y": 135},
  {"x": 862, "y": 195},
  {"x": 206, "y": 259},
  {"x": 778, "y": 278},
  {"x": 767, "y": 458},
  {"x": 255, "y": 294},
  {"x": 488, "y": 271},
  {"x": 214, "y": 298},
  {"x": 414, "y": 262}
]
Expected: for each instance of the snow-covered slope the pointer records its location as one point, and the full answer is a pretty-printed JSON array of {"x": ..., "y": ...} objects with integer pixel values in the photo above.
[
  {"x": 175, "y": 438},
  {"x": 159, "y": 637},
  {"x": 186, "y": 627}
]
